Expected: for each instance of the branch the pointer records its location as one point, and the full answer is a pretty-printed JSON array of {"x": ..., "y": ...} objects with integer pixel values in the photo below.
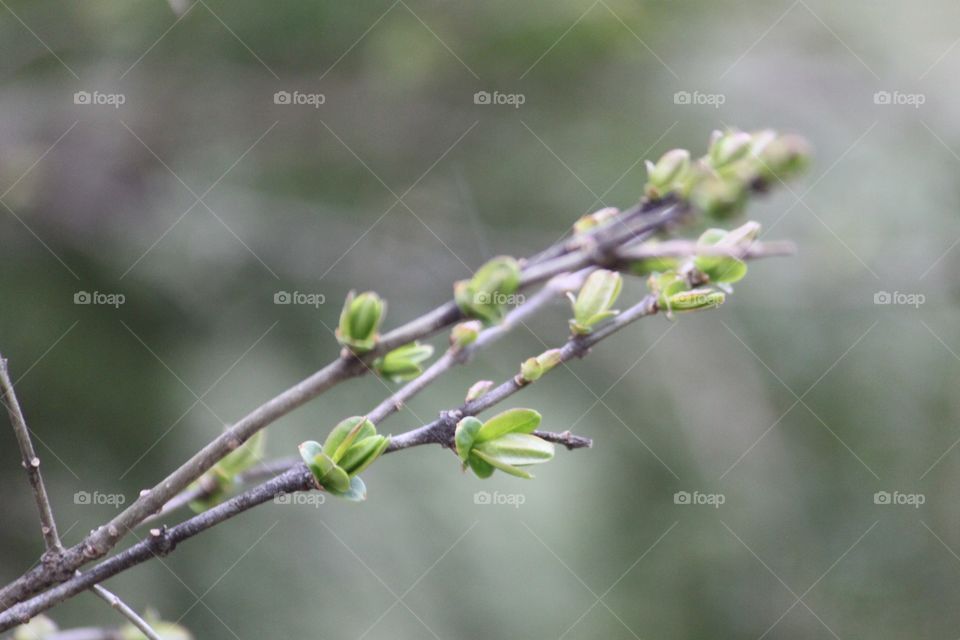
[
  {"x": 573, "y": 257},
  {"x": 299, "y": 478},
  {"x": 31, "y": 463}
]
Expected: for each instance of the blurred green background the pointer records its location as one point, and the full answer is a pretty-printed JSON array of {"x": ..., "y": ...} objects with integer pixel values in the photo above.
[{"x": 797, "y": 401}]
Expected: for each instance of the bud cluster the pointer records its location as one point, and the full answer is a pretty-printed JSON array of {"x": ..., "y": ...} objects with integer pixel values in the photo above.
[
  {"x": 719, "y": 182},
  {"x": 505, "y": 442},
  {"x": 482, "y": 296},
  {"x": 351, "y": 447}
]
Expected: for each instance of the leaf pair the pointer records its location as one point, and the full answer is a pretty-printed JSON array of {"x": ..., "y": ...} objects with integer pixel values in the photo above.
[
  {"x": 403, "y": 363},
  {"x": 352, "y": 446},
  {"x": 504, "y": 442},
  {"x": 594, "y": 303}
]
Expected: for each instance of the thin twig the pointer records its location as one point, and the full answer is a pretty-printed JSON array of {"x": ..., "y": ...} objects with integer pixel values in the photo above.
[
  {"x": 30, "y": 462},
  {"x": 555, "y": 288},
  {"x": 690, "y": 248},
  {"x": 126, "y": 611}
]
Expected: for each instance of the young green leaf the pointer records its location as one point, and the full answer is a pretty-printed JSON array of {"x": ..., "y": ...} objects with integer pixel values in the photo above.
[{"x": 510, "y": 421}]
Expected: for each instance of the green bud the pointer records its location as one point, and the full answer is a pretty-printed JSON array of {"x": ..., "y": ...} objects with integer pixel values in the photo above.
[
  {"x": 695, "y": 299},
  {"x": 727, "y": 148},
  {"x": 359, "y": 321},
  {"x": 665, "y": 285},
  {"x": 784, "y": 158},
  {"x": 595, "y": 219},
  {"x": 352, "y": 446},
  {"x": 478, "y": 388},
  {"x": 486, "y": 294},
  {"x": 403, "y": 364},
  {"x": 324, "y": 469},
  {"x": 725, "y": 269},
  {"x": 347, "y": 431},
  {"x": 38, "y": 628},
  {"x": 593, "y": 303},
  {"x": 465, "y": 334},
  {"x": 550, "y": 359},
  {"x": 670, "y": 169},
  {"x": 530, "y": 370},
  {"x": 504, "y": 442},
  {"x": 719, "y": 197}
]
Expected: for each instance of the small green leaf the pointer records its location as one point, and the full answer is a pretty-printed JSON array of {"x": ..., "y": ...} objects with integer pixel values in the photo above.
[
  {"x": 503, "y": 466},
  {"x": 363, "y": 453},
  {"x": 355, "y": 492},
  {"x": 510, "y": 421},
  {"x": 403, "y": 364},
  {"x": 465, "y": 436},
  {"x": 350, "y": 428},
  {"x": 483, "y": 469},
  {"x": 518, "y": 449}
]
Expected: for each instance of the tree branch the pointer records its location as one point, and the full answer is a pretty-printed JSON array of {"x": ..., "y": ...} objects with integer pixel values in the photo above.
[
  {"x": 299, "y": 478},
  {"x": 598, "y": 250}
]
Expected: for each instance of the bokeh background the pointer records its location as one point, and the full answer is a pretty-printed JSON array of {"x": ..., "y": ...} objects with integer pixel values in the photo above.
[{"x": 199, "y": 198}]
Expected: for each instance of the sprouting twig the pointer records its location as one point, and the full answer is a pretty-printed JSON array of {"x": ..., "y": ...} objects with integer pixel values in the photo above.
[
  {"x": 162, "y": 540},
  {"x": 600, "y": 248}
]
